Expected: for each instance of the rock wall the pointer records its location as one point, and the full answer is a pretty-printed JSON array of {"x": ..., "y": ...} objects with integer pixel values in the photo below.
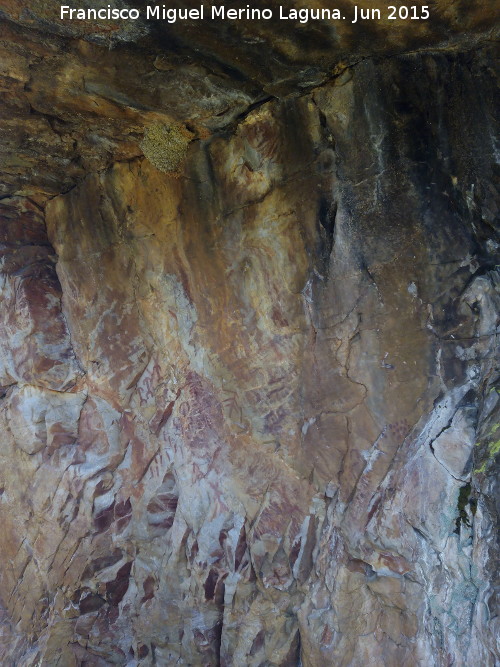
[{"x": 249, "y": 411}]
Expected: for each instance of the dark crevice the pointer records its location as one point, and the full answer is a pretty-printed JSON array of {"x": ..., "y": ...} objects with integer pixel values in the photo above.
[
  {"x": 326, "y": 216},
  {"x": 250, "y": 108},
  {"x": 465, "y": 500}
]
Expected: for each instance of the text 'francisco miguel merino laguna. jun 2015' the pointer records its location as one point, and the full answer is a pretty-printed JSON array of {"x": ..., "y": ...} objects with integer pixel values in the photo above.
[{"x": 248, "y": 13}]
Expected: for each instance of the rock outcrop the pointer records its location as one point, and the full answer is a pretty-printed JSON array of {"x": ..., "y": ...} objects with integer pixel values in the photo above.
[{"x": 250, "y": 384}]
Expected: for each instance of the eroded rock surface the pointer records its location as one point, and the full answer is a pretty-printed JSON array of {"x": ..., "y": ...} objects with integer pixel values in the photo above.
[{"x": 250, "y": 410}]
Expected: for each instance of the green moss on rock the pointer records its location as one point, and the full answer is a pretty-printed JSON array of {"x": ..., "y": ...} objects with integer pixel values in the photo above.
[{"x": 165, "y": 146}]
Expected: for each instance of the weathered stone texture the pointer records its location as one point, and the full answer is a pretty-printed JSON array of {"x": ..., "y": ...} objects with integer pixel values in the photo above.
[{"x": 250, "y": 410}]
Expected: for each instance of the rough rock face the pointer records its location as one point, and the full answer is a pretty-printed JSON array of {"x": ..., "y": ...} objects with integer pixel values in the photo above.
[{"x": 249, "y": 410}]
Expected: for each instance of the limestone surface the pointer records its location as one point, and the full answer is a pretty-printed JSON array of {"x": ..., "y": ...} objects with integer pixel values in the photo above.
[{"x": 250, "y": 399}]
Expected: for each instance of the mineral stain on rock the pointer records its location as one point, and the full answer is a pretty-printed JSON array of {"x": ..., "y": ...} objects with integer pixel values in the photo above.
[{"x": 249, "y": 374}]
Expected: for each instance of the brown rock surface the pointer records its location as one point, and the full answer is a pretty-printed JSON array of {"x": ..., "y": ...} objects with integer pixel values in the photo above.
[{"x": 249, "y": 410}]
